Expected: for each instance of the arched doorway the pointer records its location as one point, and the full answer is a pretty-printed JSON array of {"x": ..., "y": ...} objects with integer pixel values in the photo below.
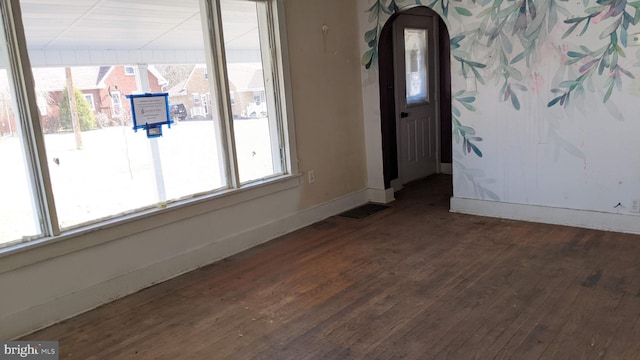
[{"x": 394, "y": 110}]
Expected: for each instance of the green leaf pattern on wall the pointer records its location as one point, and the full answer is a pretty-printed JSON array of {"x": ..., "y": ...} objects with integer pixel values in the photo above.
[
  {"x": 464, "y": 135},
  {"x": 620, "y": 14},
  {"x": 502, "y": 46},
  {"x": 501, "y": 23},
  {"x": 500, "y": 43},
  {"x": 477, "y": 179},
  {"x": 379, "y": 12}
]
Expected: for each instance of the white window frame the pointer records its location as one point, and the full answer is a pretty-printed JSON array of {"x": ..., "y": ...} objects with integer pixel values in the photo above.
[
  {"x": 43, "y": 106},
  {"x": 129, "y": 70},
  {"x": 56, "y": 242},
  {"x": 89, "y": 98}
]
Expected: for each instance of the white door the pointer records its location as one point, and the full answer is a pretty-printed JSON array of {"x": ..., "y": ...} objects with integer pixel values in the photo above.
[{"x": 415, "y": 64}]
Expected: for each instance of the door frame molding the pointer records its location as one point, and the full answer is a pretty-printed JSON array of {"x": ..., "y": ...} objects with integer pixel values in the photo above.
[
  {"x": 387, "y": 97},
  {"x": 397, "y": 185}
]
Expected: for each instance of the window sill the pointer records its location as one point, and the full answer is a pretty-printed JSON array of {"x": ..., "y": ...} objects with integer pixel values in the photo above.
[{"x": 24, "y": 254}]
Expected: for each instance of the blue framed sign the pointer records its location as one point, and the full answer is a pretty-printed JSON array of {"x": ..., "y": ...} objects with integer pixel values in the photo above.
[{"x": 150, "y": 112}]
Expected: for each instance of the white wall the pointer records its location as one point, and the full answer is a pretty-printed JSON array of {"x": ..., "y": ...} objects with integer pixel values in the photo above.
[
  {"x": 48, "y": 291},
  {"x": 325, "y": 73},
  {"x": 371, "y": 105},
  {"x": 71, "y": 275}
]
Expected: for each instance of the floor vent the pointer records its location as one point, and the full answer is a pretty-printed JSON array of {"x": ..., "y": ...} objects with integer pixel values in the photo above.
[{"x": 363, "y": 211}]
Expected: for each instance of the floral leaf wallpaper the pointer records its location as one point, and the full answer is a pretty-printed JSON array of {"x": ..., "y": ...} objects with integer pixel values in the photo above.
[
  {"x": 594, "y": 62},
  {"x": 379, "y": 12},
  {"x": 512, "y": 48},
  {"x": 477, "y": 179},
  {"x": 464, "y": 134},
  {"x": 502, "y": 23}
]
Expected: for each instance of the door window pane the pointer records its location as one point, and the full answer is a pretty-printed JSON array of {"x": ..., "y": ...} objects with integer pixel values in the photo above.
[
  {"x": 256, "y": 128},
  {"x": 415, "y": 54}
]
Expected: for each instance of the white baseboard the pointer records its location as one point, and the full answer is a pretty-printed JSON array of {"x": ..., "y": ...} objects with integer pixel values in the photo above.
[
  {"x": 381, "y": 196},
  {"x": 85, "y": 299},
  {"x": 446, "y": 168},
  {"x": 624, "y": 223},
  {"x": 396, "y": 185}
]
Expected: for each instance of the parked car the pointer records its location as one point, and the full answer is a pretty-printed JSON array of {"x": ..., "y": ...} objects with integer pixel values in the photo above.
[
  {"x": 255, "y": 110},
  {"x": 178, "y": 112}
]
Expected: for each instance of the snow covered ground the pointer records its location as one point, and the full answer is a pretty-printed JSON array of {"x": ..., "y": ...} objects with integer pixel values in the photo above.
[{"x": 114, "y": 172}]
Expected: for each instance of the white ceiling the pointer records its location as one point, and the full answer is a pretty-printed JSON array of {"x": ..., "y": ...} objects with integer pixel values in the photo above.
[{"x": 54, "y": 27}]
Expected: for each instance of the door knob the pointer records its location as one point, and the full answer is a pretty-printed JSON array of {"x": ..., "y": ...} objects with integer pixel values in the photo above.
[{"x": 404, "y": 114}]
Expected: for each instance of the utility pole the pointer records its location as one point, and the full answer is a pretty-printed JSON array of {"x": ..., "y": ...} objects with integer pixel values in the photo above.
[{"x": 75, "y": 122}]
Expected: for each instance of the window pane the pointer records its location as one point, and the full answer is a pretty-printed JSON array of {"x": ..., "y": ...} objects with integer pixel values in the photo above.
[
  {"x": 256, "y": 127},
  {"x": 100, "y": 167},
  {"x": 415, "y": 50},
  {"x": 19, "y": 219},
  {"x": 192, "y": 153}
]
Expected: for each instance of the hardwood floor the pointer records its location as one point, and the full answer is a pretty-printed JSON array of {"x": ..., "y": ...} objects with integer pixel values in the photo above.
[{"x": 413, "y": 282}]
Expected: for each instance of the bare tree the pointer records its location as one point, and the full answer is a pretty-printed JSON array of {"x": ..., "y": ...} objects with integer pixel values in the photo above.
[
  {"x": 7, "y": 124},
  {"x": 175, "y": 73}
]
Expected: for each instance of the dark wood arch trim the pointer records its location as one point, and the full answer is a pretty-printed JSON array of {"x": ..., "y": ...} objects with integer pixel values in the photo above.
[{"x": 387, "y": 98}]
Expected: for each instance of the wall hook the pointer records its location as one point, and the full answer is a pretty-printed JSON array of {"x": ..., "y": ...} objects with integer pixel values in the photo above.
[{"x": 325, "y": 31}]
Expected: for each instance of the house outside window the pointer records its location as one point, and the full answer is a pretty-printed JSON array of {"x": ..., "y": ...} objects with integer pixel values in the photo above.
[{"x": 110, "y": 173}]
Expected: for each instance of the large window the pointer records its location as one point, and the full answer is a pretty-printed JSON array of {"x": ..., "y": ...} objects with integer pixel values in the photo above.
[
  {"x": 257, "y": 136},
  {"x": 114, "y": 170},
  {"x": 96, "y": 166}
]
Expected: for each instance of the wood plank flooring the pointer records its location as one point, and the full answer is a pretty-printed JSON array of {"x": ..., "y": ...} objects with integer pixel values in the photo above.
[{"x": 411, "y": 282}]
